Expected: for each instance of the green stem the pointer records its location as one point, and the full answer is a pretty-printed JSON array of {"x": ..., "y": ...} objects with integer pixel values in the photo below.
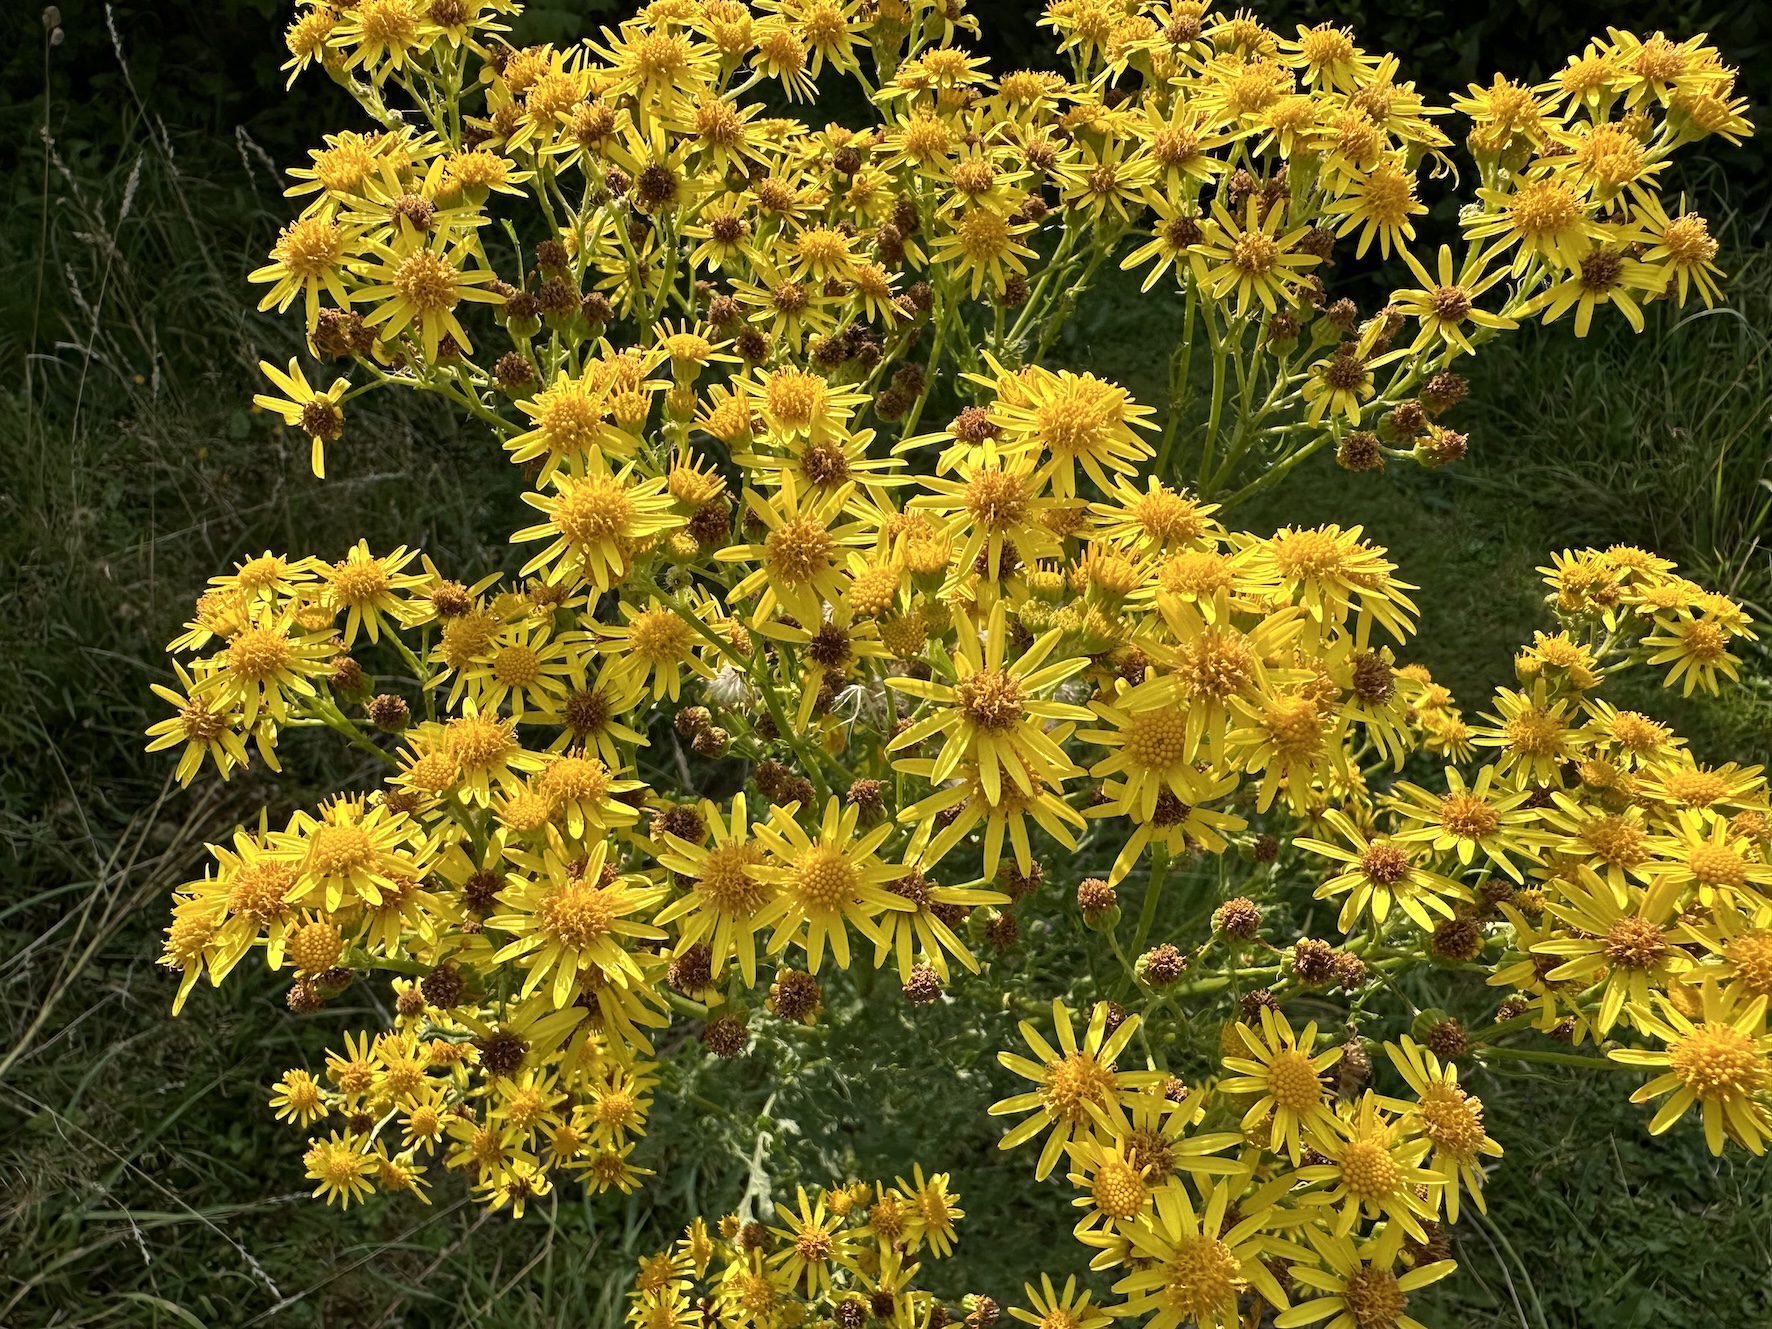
[{"x": 1153, "y": 893}]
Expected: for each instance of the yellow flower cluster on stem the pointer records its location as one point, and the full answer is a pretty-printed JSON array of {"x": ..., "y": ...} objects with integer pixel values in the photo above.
[{"x": 792, "y": 680}]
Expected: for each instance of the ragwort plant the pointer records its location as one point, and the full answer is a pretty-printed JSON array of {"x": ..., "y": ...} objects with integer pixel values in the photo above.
[{"x": 789, "y": 674}]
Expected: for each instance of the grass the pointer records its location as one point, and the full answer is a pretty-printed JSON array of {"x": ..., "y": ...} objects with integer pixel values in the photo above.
[{"x": 144, "y": 1181}]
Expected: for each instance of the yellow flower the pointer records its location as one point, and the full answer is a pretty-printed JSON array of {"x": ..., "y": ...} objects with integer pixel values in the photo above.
[
  {"x": 1281, "y": 1069},
  {"x": 299, "y": 1098},
  {"x": 964, "y": 797},
  {"x": 1329, "y": 570},
  {"x": 1698, "y": 647},
  {"x": 364, "y": 587},
  {"x": 204, "y": 730},
  {"x": 823, "y": 885},
  {"x": 1533, "y": 733},
  {"x": 1158, "y": 519},
  {"x": 1050, "y": 1309},
  {"x": 572, "y": 420},
  {"x": 268, "y": 660},
  {"x": 618, "y": 1106},
  {"x": 1247, "y": 256},
  {"x": 1681, "y": 248},
  {"x": 1071, "y": 1078},
  {"x": 1444, "y": 304},
  {"x": 1359, "y": 1288},
  {"x": 1708, "y": 853},
  {"x": 996, "y": 502},
  {"x": 1628, "y": 942},
  {"x": 815, "y": 1243},
  {"x": 1722, "y": 1062},
  {"x": 656, "y": 642},
  {"x": 1546, "y": 217},
  {"x": 1193, "y": 1266},
  {"x": 1468, "y": 818},
  {"x": 1380, "y": 872},
  {"x": 419, "y": 281},
  {"x": 1679, "y": 780},
  {"x": 1601, "y": 276},
  {"x": 1286, "y": 740},
  {"x": 991, "y": 714},
  {"x": 526, "y": 665},
  {"x": 385, "y": 35},
  {"x": 311, "y": 255},
  {"x": 933, "y": 1211},
  {"x": 1069, "y": 420},
  {"x": 1380, "y": 204},
  {"x": 318, "y": 414},
  {"x": 985, "y": 244},
  {"x": 923, "y": 925},
  {"x": 721, "y": 905},
  {"x": 570, "y": 920},
  {"x": 598, "y": 522},
  {"x": 1373, "y": 1170},
  {"x": 1449, "y": 1117},
  {"x": 799, "y": 561},
  {"x": 341, "y": 1166},
  {"x": 1740, "y": 939}
]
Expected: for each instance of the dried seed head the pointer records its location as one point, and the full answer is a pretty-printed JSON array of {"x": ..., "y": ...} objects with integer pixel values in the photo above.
[
  {"x": 1444, "y": 391},
  {"x": 1360, "y": 451},
  {"x": 513, "y": 372},
  {"x": 751, "y": 345},
  {"x": 795, "y": 995},
  {"x": 502, "y": 1052},
  {"x": 347, "y": 675},
  {"x": 1002, "y": 931},
  {"x": 1313, "y": 961},
  {"x": 1354, "y": 1071},
  {"x": 692, "y": 971},
  {"x": 551, "y": 256},
  {"x": 1239, "y": 918},
  {"x": 1161, "y": 965},
  {"x": 389, "y": 713},
  {"x": 711, "y": 742},
  {"x": 596, "y": 309},
  {"x": 1350, "y": 971},
  {"x": 725, "y": 1036},
  {"x": 443, "y": 987},
  {"x": 1406, "y": 420},
  {"x": 1252, "y": 1004},
  {"x": 1095, "y": 897},
  {"x": 868, "y": 796},
  {"x": 1018, "y": 885},
  {"x": 924, "y": 984},
  {"x": 1446, "y": 1039},
  {"x": 480, "y": 890}
]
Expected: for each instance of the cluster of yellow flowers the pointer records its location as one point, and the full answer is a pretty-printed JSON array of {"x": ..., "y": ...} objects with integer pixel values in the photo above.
[
  {"x": 969, "y": 218},
  {"x": 1592, "y": 867},
  {"x": 847, "y": 1255},
  {"x": 773, "y": 684}
]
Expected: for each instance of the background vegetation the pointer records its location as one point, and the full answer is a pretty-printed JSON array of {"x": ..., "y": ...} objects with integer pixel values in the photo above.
[{"x": 142, "y": 1180}]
